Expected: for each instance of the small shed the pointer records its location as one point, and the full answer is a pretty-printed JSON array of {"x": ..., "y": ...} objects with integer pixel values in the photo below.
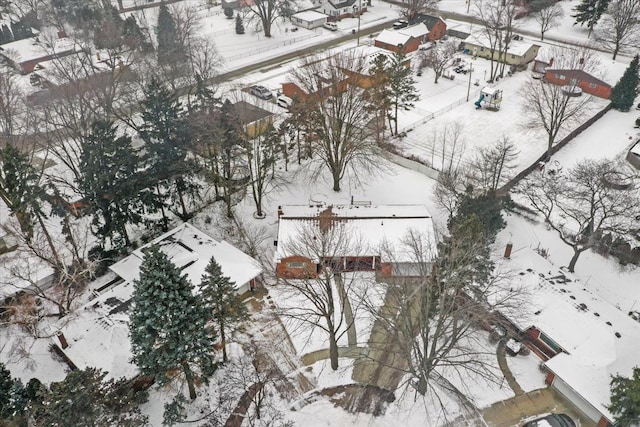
[{"x": 309, "y": 19}]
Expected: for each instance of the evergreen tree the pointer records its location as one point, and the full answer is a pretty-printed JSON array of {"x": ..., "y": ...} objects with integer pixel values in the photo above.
[
  {"x": 109, "y": 182},
  {"x": 167, "y": 139},
  {"x": 230, "y": 139},
  {"x": 108, "y": 34},
  {"x": 219, "y": 297},
  {"x": 168, "y": 324},
  {"x": 624, "y": 92},
  {"x": 84, "y": 398},
  {"x": 379, "y": 94},
  {"x": 589, "y": 12},
  {"x": 133, "y": 36},
  {"x": 13, "y": 397},
  {"x": 6, "y": 36},
  {"x": 19, "y": 187},
  {"x": 625, "y": 399},
  {"x": 169, "y": 48},
  {"x": 239, "y": 24},
  {"x": 401, "y": 85}
]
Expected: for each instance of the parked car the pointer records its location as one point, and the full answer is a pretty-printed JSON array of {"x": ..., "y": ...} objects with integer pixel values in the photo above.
[
  {"x": 551, "y": 420},
  {"x": 261, "y": 92},
  {"x": 400, "y": 23},
  {"x": 284, "y": 101},
  {"x": 462, "y": 68},
  {"x": 330, "y": 26}
]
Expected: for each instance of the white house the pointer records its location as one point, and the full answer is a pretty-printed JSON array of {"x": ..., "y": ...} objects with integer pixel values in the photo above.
[
  {"x": 309, "y": 19},
  {"x": 98, "y": 333},
  {"x": 582, "y": 339}
]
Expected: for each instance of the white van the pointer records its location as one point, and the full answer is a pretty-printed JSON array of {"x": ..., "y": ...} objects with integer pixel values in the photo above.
[{"x": 330, "y": 26}]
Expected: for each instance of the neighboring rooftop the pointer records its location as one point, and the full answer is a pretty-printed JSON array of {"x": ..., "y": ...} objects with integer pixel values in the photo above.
[
  {"x": 599, "y": 339},
  {"x": 98, "y": 333}
]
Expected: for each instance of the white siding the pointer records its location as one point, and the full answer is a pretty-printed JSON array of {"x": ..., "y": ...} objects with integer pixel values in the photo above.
[{"x": 576, "y": 399}]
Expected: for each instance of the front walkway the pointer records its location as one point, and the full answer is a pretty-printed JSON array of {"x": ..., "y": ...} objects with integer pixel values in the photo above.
[{"x": 512, "y": 411}]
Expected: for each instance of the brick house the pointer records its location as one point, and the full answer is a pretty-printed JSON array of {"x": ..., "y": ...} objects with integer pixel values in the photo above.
[
  {"x": 436, "y": 26},
  {"x": 396, "y": 41},
  {"x": 378, "y": 230},
  {"x": 585, "y": 81}
]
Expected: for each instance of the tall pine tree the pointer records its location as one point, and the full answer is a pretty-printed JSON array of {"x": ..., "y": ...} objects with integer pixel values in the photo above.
[
  {"x": 589, "y": 12},
  {"x": 109, "y": 167},
  {"x": 168, "y": 325},
  {"x": 167, "y": 140},
  {"x": 219, "y": 296},
  {"x": 401, "y": 85},
  {"x": 169, "y": 48},
  {"x": 624, "y": 92}
]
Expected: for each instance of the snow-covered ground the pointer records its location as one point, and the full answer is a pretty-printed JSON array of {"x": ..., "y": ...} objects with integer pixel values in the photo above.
[{"x": 396, "y": 185}]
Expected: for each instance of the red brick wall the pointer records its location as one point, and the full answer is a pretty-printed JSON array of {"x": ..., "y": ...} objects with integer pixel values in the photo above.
[
  {"x": 412, "y": 45},
  {"x": 308, "y": 270},
  {"x": 549, "y": 378},
  {"x": 599, "y": 91},
  {"x": 438, "y": 31},
  {"x": 603, "y": 422}
]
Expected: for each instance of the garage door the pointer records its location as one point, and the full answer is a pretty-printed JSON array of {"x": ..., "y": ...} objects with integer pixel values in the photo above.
[{"x": 576, "y": 399}]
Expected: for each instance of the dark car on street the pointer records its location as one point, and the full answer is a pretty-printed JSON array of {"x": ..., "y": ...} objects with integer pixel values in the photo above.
[{"x": 551, "y": 420}]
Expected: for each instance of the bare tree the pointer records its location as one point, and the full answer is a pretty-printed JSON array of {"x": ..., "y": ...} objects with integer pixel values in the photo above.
[
  {"x": 337, "y": 116},
  {"x": 490, "y": 164},
  {"x": 498, "y": 23},
  {"x": 264, "y": 13},
  {"x": 331, "y": 299},
  {"x": 428, "y": 329},
  {"x": 552, "y": 107},
  {"x": 581, "y": 206},
  {"x": 13, "y": 111},
  {"x": 447, "y": 147},
  {"x": 257, "y": 375},
  {"x": 262, "y": 155},
  {"x": 548, "y": 17},
  {"x": 620, "y": 26},
  {"x": 412, "y": 8},
  {"x": 441, "y": 56}
]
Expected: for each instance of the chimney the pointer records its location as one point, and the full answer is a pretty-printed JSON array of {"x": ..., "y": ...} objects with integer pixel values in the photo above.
[
  {"x": 325, "y": 217},
  {"x": 280, "y": 211},
  {"x": 63, "y": 340},
  {"x": 550, "y": 62},
  {"x": 507, "y": 250}
]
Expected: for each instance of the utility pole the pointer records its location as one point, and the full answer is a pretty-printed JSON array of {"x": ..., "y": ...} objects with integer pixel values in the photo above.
[
  {"x": 359, "y": 15},
  {"x": 469, "y": 85}
]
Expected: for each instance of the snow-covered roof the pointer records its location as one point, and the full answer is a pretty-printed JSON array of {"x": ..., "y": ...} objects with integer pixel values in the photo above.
[
  {"x": 98, "y": 333},
  {"x": 417, "y": 31},
  {"x": 516, "y": 47},
  {"x": 375, "y": 226},
  {"x": 582, "y": 323},
  {"x": 191, "y": 249},
  {"x": 30, "y": 49},
  {"x": 309, "y": 15},
  {"x": 392, "y": 37}
]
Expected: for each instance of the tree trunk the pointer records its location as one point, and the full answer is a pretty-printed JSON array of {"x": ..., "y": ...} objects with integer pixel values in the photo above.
[
  {"x": 336, "y": 180},
  {"x": 189, "y": 375},
  {"x": 333, "y": 349},
  {"x": 615, "y": 51},
  {"x": 223, "y": 342},
  {"x": 574, "y": 259}
]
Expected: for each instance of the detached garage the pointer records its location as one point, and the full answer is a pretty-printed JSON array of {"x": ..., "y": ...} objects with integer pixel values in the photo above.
[{"x": 309, "y": 19}]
